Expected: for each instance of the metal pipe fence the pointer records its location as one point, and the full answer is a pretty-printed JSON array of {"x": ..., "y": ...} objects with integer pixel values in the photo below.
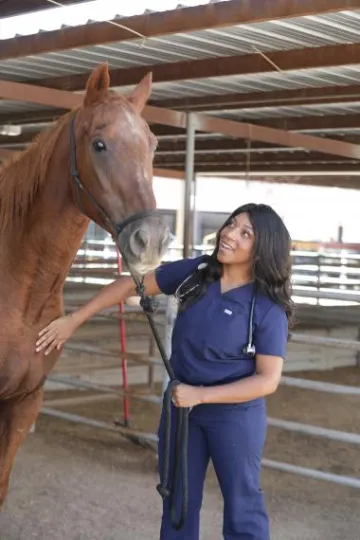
[{"x": 315, "y": 275}]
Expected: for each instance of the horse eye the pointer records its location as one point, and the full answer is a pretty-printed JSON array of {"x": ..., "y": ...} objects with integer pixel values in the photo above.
[{"x": 99, "y": 145}]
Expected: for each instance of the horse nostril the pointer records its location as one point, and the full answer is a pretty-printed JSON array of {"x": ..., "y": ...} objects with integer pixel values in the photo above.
[
  {"x": 139, "y": 242},
  {"x": 141, "y": 238}
]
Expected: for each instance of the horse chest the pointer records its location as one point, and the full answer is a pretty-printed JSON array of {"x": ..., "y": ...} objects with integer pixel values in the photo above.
[{"x": 21, "y": 371}]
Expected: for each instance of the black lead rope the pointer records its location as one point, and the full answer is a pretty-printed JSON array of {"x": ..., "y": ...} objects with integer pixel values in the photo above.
[{"x": 180, "y": 457}]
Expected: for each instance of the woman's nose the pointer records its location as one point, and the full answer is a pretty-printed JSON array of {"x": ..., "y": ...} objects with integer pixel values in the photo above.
[{"x": 231, "y": 235}]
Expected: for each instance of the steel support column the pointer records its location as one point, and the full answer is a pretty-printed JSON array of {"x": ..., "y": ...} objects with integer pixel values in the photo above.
[{"x": 189, "y": 175}]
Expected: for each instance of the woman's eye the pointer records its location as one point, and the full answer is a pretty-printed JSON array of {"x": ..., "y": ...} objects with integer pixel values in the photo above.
[{"x": 99, "y": 145}]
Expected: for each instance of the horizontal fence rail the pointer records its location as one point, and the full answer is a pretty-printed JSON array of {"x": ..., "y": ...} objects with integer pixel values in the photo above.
[{"x": 331, "y": 275}]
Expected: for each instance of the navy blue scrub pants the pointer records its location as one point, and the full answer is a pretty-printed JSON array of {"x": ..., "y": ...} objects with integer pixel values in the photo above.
[{"x": 232, "y": 436}]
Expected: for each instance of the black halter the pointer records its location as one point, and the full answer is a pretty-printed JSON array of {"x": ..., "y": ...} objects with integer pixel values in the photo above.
[{"x": 148, "y": 307}]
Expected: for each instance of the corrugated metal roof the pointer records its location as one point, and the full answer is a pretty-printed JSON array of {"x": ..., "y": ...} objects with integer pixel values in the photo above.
[
  {"x": 336, "y": 27},
  {"x": 247, "y": 83},
  {"x": 279, "y": 35},
  {"x": 296, "y": 33},
  {"x": 259, "y": 82}
]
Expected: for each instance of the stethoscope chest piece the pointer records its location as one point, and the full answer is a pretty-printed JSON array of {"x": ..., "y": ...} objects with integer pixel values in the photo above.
[{"x": 249, "y": 349}]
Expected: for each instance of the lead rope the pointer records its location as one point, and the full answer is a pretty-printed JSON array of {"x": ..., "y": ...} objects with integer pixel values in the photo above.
[{"x": 182, "y": 427}]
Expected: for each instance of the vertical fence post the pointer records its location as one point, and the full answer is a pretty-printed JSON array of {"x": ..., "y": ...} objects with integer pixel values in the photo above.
[
  {"x": 189, "y": 177},
  {"x": 122, "y": 333},
  {"x": 318, "y": 274}
]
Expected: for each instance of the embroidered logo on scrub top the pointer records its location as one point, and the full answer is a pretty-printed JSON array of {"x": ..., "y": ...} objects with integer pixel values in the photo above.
[{"x": 228, "y": 312}]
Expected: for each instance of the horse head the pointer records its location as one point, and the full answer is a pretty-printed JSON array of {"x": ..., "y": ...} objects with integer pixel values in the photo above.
[{"x": 111, "y": 156}]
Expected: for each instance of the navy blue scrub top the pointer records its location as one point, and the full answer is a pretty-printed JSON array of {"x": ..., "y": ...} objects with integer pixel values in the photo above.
[{"x": 209, "y": 336}]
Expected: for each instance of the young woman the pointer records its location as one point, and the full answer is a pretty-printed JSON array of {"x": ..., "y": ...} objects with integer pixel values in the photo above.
[{"x": 224, "y": 378}]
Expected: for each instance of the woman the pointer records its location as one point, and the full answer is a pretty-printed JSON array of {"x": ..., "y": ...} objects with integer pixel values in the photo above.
[{"x": 222, "y": 380}]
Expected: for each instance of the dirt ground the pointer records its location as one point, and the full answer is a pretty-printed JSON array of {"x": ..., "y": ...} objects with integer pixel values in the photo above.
[{"x": 72, "y": 482}]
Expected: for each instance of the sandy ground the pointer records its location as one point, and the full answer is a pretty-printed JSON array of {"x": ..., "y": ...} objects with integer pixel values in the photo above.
[{"x": 72, "y": 482}]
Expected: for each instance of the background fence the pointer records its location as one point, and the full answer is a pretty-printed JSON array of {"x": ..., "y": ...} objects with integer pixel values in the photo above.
[{"x": 326, "y": 286}]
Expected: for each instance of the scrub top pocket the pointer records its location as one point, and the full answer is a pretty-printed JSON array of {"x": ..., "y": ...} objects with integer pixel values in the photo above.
[{"x": 227, "y": 332}]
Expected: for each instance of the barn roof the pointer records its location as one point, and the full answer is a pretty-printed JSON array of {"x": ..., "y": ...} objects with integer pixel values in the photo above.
[{"x": 286, "y": 74}]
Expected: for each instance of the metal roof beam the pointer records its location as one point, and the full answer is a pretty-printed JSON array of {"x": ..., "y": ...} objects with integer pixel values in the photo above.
[
  {"x": 319, "y": 123},
  {"x": 63, "y": 100},
  {"x": 277, "y": 136},
  {"x": 251, "y": 132},
  {"x": 215, "y": 146},
  {"x": 157, "y": 115},
  {"x": 347, "y": 120},
  {"x": 278, "y": 98},
  {"x": 347, "y": 182},
  {"x": 297, "y": 169},
  {"x": 169, "y": 173},
  {"x": 232, "y": 145},
  {"x": 22, "y": 139},
  {"x": 244, "y": 64},
  {"x": 31, "y": 117},
  {"x": 263, "y": 158},
  {"x": 212, "y": 15},
  {"x": 39, "y": 95}
]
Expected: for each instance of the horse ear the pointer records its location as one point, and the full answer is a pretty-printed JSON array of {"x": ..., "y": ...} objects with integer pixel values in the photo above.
[
  {"x": 97, "y": 85},
  {"x": 139, "y": 96}
]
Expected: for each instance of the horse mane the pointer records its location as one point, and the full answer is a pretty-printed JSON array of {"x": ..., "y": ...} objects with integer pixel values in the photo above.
[{"x": 23, "y": 175}]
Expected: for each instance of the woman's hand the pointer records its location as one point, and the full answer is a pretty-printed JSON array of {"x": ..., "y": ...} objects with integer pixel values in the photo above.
[
  {"x": 55, "y": 334},
  {"x": 184, "y": 395}
]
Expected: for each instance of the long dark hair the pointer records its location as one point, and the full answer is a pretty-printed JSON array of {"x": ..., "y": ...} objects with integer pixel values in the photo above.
[{"x": 271, "y": 260}]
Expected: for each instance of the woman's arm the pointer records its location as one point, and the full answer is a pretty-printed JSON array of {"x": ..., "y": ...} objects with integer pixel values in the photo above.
[
  {"x": 112, "y": 294},
  {"x": 55, "y": 334},
  {"x": 264, "y": 382},
  {"x": 165, "y": 279}
]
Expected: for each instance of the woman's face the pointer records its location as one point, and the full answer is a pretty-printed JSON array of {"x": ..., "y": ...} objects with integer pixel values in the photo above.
[{"x": 237, "y": 241}]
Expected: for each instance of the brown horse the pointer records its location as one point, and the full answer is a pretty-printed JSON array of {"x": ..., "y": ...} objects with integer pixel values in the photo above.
[{"x": 45, "y": 207}]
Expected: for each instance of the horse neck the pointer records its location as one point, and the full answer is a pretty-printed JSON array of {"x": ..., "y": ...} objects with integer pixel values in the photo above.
[{"x": 39, "y": 255}]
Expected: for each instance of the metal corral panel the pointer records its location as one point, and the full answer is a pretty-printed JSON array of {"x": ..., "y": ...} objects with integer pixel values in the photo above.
[{"x": 307, "y": 356}]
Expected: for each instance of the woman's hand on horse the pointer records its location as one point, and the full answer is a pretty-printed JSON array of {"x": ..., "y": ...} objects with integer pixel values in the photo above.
[
  {"x": 184, "y": 395},
  {"x": 55, "y": 334}
]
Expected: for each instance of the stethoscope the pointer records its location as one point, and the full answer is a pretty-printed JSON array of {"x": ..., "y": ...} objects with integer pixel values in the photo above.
[{"x": 249, "y": 348}]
